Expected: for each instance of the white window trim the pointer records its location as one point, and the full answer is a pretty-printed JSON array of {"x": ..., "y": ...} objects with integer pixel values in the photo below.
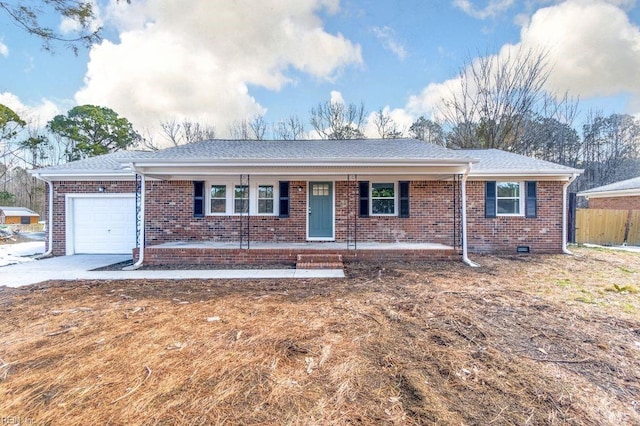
[
  {"x": 274, "y": 199},
  {"x": 521, "y": 198},
  {"x": 253, "y": 197},
  {"x": 395, "y": 199}
]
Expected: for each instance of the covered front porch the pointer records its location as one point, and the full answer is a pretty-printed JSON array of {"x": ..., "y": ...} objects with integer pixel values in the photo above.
[{"x": 287, "y": 253}]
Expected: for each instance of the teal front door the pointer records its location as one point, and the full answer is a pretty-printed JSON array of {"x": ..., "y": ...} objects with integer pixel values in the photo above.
[{"x": 320, "y": 215}]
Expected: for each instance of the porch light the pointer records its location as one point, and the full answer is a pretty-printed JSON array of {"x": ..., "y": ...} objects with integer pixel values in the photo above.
[{"x": 101, "y": 189}]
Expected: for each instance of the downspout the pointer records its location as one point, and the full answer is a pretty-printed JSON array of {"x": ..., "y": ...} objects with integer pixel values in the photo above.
[
  {"x": 565, "y": 250},
  {"x": 49, "y": 218},
  {"x": 463, "y": 191},
  {"x": 138, "y": 263}
]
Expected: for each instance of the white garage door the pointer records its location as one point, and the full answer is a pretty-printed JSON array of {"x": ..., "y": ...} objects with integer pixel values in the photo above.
[{"x": 103, "y": 225}]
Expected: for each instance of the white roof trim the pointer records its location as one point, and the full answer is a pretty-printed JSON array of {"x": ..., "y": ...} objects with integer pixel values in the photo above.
[{"x": 616, "y": 193}]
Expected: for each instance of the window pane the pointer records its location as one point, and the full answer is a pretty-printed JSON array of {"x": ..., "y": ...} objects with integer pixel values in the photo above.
[
  {"x": 241, "y": 191},
  {"x": 265, "y": 191},
  {"x": 508, "y": 189},
  {"x": 218, "y": 206},
  {"x": 218, "y": 191},
  {"x": 265, "y": 206},
  {"x": 509, "y": 206},
  {"x": 382, "y": 190},
  {"x": 383, "y": 206},
  {"x": 241, "y": 206},
  {"x": 320, "y": 189}
]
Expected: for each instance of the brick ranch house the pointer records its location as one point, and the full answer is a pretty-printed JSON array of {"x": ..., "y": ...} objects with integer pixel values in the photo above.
[
  {"x": 622, "y": 195},
  {"x": 258, "y": 202}
]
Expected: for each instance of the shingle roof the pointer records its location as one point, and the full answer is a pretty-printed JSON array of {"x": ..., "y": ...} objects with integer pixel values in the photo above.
[
  {"x": 623, "y": 185},
  {"x": 374, "y": 149},
  {"x": 485, "y": 161},
  {"x": 101, "y": 163},
  {"x": 17, "y": 211},
  {"x": 494, "y": 160}
]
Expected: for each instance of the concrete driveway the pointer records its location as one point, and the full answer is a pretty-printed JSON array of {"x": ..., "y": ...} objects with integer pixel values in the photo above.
[
  {"x": 57, "y": 268},
  {"x": 79, "y": 267}
]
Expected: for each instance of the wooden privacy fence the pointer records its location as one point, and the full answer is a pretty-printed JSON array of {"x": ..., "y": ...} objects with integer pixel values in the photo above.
[{"x": 608, "y": 227}]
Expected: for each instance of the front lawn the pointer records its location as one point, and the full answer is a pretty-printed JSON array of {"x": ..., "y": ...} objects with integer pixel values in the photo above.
[{"x": 522, "y": 340}]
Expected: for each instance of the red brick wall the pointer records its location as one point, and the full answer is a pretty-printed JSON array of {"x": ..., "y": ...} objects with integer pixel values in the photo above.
[
  {"x": 543, "y": 234},
  {"x": 76, "y": 187},
  {"x": 169, "y": 213},
  {"x": 169, "y": 217},
  {"x": 615, "y": 203}
]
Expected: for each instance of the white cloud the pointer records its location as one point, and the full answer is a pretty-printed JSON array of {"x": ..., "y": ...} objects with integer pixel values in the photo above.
[
  {"x": 35, "y": 114},
  {"x": 593, "y": 50},
  {"x": 199, "y": 62},
  {"x": 336, "y": 97},
  {"x": 387, "y": 36},
  {"x": 492, "y": 9},
  {"x": 4, "y": 50},
  {"x": 593, "y": 47}
]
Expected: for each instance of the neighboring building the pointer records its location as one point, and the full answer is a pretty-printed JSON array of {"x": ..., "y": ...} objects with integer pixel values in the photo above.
[
  {"x": 622, "y": 195},
  {"x": 18, "y": 216},
  {"x": 230, "y": 201}
]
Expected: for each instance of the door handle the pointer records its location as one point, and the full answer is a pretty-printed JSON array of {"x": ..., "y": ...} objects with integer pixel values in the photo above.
[{"x": 309, "y": 212}]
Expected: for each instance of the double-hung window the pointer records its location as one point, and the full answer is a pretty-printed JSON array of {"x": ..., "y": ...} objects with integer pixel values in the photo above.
[
  {"x": 241, "y": 199},
  {"x": 265, "y": 199},
  {"x": 383, "y": 199},
  {"x": 218, "y": 199},
  {"x": 508, "y": 198}
]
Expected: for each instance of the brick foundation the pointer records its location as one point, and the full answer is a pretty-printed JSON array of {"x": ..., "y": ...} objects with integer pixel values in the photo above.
[{"x": 199, "y": 256}]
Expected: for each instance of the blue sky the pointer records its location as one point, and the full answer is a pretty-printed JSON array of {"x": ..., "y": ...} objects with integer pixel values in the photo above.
[{"x": 220, "y": 61}]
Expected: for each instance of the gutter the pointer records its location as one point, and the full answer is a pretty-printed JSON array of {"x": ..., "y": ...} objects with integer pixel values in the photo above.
[
  {"x": 49, "y": 217},
  {"x": 565, "y": 250},
  {"x": 465, "y": 257},
  {"x": 138, "y": 263}
]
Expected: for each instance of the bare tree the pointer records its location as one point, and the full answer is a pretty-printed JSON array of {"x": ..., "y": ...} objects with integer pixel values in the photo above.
[
  {"x": 495, "y": 95},
  {"x": 186, "y": 131},
  {"x": 548, "y": 133},
  {"x": 289, "y": 129},
  {"x": 386, "y": 127},
  {"x": 258, "y": 127},
  {"x": 335, "y": 120},
  {"x": 248, "y": 129}
]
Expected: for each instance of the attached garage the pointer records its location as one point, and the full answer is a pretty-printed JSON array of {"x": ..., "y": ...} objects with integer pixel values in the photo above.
[{"x": 100, "y": 224}]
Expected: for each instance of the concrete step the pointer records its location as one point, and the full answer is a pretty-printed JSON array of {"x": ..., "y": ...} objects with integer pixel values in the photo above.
[{"x": 319, "y": 261}]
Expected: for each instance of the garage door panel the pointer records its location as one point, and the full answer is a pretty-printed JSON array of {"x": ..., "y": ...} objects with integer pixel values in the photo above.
[{"x": 103, "y": 225}]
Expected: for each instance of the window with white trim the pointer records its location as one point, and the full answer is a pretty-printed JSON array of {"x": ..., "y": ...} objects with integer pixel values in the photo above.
[
  {"x": 383, "y": 199},
  {"x": 218, "y": 199},
  {"x": 241, "y": 199},
  {"x": 228, "y": 197},
  {"x": 509, "y": 200},
  {"x": 265, "y": 199}
]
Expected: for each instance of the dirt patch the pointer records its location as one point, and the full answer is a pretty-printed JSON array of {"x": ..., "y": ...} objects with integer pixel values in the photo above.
[{"x": 521, "y": 340}]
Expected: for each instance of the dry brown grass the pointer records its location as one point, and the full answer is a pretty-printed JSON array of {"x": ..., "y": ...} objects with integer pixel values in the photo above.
[{"x": 522, "y": 340}]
